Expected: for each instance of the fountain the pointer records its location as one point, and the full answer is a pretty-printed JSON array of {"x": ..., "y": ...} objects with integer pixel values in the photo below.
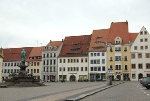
[{"x": 22, "y": 79}]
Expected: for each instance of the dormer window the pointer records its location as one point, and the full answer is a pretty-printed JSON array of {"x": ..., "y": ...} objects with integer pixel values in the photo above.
[
  {"x": 118, "y": 40},
  {"x": 50, "y": 47},
  {"x": 55, "y": 47}
]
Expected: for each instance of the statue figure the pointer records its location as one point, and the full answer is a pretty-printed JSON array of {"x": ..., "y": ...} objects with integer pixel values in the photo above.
[{"x": 23, "y": 56}]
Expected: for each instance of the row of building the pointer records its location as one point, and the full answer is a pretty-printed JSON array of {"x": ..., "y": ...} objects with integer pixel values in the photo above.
[{"x": 86, "y": 56}]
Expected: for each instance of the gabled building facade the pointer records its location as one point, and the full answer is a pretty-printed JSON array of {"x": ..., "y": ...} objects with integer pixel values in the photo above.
[
  {"x": 118, "y": 50},
  {"x": 49, "y": 60},
  {"x": 73, "y": 58},
  {"x": 98, "y": 55},
  {"x": 12, "y": 59},
  {"x": 34, "y": 62},
  {"x": 140, "y": 56}
]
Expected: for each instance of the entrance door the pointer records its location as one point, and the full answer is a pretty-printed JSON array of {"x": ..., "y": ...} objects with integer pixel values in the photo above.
[
  {"x": 140, "y": 76},
  {"x": 72, "y": 78},
  {"x": 119, "y": 77}
]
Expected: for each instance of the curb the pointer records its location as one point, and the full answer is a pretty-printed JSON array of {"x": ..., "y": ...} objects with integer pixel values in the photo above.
[{"x": 91, "y": 93}]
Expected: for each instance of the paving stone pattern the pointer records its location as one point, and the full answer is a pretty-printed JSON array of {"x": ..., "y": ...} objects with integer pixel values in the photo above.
[{"x": 128, "y": 91}]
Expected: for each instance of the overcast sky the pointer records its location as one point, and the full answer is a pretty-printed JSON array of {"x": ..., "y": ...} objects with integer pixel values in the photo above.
[{"x": 23, "y": 22}]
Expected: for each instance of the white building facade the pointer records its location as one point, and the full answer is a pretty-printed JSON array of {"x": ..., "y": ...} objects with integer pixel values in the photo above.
[
  {"x": 140, "y": 56},
  {"x": 49, "y": 70},
  {"x": 97, "y": 65}
]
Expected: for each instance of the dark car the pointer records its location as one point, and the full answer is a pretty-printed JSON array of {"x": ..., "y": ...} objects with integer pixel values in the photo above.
[
  {"x": 140, "y": 80},
  {"x": 146, "y": 82}
]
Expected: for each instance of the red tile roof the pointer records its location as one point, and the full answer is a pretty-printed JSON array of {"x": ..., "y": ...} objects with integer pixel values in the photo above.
[
  {"x": 55, "y": 43},
  {"x": 119, "y": 29},
  {"x": 75, "y": 46},
  {"x": 132, "y": 36},
  {"x": 99, "y": 40},
  {"x": 13, "y": 54}
]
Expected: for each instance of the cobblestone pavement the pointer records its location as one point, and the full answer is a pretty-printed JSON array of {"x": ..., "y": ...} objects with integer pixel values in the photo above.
[
  {"x": 128, "y": 91},
  {"x": 51, "y": 92}
]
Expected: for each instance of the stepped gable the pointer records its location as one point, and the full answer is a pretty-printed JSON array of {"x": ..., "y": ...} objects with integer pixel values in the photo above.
[
  {"x": 132, "y": 36},
  {"x": 99, "y": 40},
  {"x": 75, "y": 46},
  {"x": 35, "y": 54},
  {"x": 119, "y": 29},
  {"x": 13, "y": 54}
]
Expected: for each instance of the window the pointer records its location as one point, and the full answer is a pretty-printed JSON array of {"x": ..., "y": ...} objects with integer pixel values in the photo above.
[
  {"x": 141, "y": 47},
  {"x": 125, "y": 58},
  {"x": 81, "y": 68},
  {"x": 68, "y": 60},
  {"x": 63, "y": 60},
  {"x": 99, "y": 68},
  {"x": 98, "y": 54},
  {"x": 91, "y": 54},
  {"x": 64, "y": 69},
  {"x": 139, "y": 55},
  {"x": 135, "y": 47},
  {"x": 37, "y": 70},
  {"x": 91, "y": 61},
  {"x": 81, "y": 59},
  {"x": 60, "y": 61},
  {"x": 103, "y": 61},
  {"x": 147, "y": 55},
  {"x": 111, "y": 67},
  {"x": 5, "y": 64},
  {"x": 34, "y": 63},
  {"x": 103, "y": 54},
  {"x": 59, "y": 68},
  {"x": 125, "y": 48},
  {"x": 77, "y": 68},
  {"x": 91, "y": 68},
  {"x": 94, "y": 54},
  {"x": 11, "y": 64},
  {"x": 103, "y": 68},
  {"x": 85, "y": 59},
  {"x": 141, "y": 40},
  {"x": 140, "y": 66},
  {"x": 146, "y": 47},
  {"x": 68, "y": 68},
  {"x": 98, "y": 61},
  {"x": 11, "y": 70},
  {"x": 133, "y": 76},
  {"x": 146, "y": 40},
  {"x": 132, "y": 56},
  {"x": 8, "y": 64},
  {"x": 147, "y": 65},
  {"x": 145, "y": 32},
  {"x": 95, "y": 68},
  {"x": 126, "y": 67},
  {"x": 34, "y": 70},
  {"x": 133, "y": 66},
  {"x": 85, "y": 68},
  {"x": 77, "y": 60},
  {"x": 38, "y": 63},
  {"x": 141, "y": 33},
  {"x": 111, "y": 59}
]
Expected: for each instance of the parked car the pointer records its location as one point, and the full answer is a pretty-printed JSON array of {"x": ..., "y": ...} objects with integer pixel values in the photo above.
[
  {"x": 86, "y": 80},
  {"x": 116, "y": 79},
  {"x": 140, "y": 80},
  {"x": 98, "y": 79},
  {"x": 146, "y": 82}
]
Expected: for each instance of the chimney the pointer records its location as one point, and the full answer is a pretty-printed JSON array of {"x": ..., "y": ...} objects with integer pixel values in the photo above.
[
  {"x": 62, "y": 40},
  {"x": 50, "y": 40}
]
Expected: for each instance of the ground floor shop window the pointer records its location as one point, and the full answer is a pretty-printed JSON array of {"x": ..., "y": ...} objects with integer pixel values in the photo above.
[{"x": 133, "y": 76}]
